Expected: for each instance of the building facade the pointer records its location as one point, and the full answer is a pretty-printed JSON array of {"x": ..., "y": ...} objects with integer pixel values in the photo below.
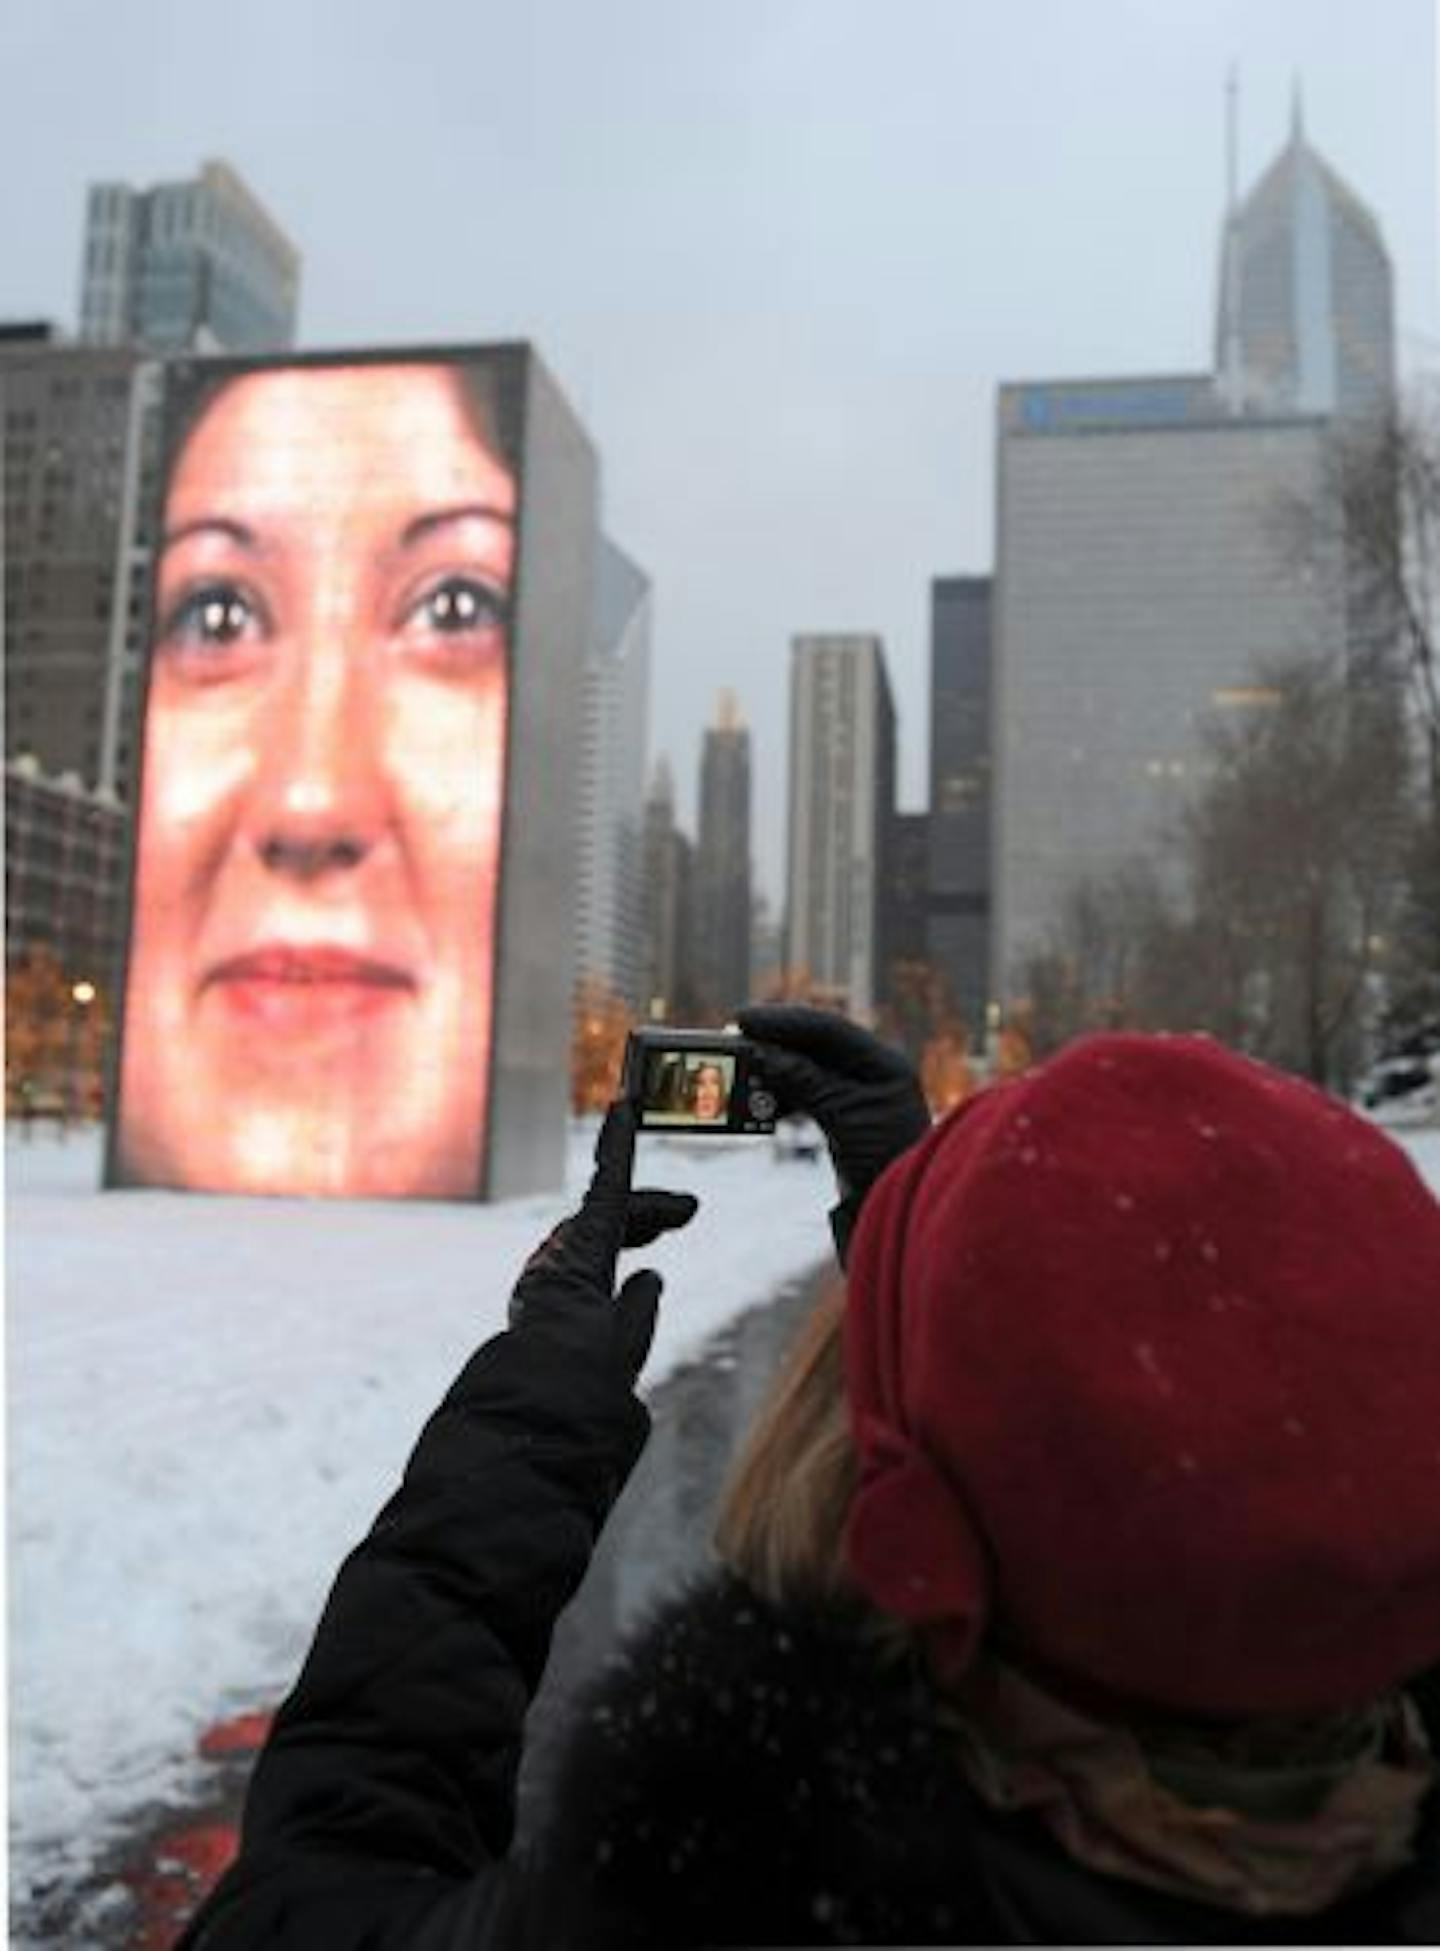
[
  {"x": 64, "y": 867},
  {"x": 198, "y": 265},
  {"x": 905, "y": 895},
  {"x": 1140, "y": 583},
  {"x": 958, "y": 892},
  {"x": 668, "y": 983},
  {"x": 722, "y": 865},
  {"x": 1144, "y": 577},
  {"x": 1305, "y": 315},
  {"x": 842, "y": 807},
  {"x": 610, "y": 913},
  {"x": 80, "y": 436}
]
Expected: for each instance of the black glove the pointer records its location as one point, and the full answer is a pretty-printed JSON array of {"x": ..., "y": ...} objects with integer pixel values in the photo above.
[
  {"x": 864, "y": 1096},
  {"x": 575, "y": 1265}
]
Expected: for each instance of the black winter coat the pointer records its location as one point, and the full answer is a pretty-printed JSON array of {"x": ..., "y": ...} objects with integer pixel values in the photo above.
[{"x": 739, "y": 1777}]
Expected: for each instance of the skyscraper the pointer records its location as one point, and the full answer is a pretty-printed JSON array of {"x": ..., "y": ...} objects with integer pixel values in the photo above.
[
  {"x": 1305, "y": 317},
  {"x": 1142, "y": 576},
  {"x": 842, "y": 804},
  {"x": 75, "y": 440},
  {"x": 64, "y": 863},
  {"x": 1140, "y": 581},
  {"x": 722, "y": 864},
  {"x": 615, "y": 715},
  {"x": 197, "y": 264},
  {"x": 668, "y": 987},
  {"x": 958, "y": 893}
]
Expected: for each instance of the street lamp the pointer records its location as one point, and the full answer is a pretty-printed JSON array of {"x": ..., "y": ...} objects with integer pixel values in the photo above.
[{"x": 82, "y": 994}]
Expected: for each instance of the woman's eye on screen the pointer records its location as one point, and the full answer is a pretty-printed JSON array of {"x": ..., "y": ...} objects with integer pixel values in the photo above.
[
  {"x": 467, "y": 618},
  {"x": 208, "y": 629}
]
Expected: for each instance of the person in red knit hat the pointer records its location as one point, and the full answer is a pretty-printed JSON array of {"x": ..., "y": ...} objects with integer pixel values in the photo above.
[{"x": 1079, "y": 1583}]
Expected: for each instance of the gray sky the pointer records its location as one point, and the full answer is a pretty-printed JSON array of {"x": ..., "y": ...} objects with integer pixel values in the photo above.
[{"x": 778, "y": 252}]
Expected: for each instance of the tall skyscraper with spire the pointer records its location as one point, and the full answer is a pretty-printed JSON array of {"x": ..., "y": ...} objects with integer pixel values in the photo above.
[
  {"x": 722, "y": 863},
  {"x": 615, "y": 721},
  {"x": 1140, "y": 590},
  {"x": 1305, "y": 319},
  {"x": 669, "y": 982}
]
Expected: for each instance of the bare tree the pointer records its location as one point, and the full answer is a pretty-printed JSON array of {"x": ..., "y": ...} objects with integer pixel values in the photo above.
[
  {"x": 1295, "y": 856},
  {"x": 1375, "y": 512},
  {"x": 1100, "y": 963},
  {"x": 1291, "y": 864}
]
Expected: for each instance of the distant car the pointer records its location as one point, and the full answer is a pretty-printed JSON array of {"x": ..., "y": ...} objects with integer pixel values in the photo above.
[
  {"x": 797, "y": 1138},
  {"x": 1403, "y": 1091}
]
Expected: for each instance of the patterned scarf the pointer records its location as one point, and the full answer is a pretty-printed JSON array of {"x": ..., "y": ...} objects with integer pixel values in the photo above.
[{"x": 1271, "y": 1819}]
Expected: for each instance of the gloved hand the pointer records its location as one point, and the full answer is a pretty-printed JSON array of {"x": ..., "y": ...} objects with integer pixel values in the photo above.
[
  {"x": 575, "y": 1265},
  {"x": 864, "y": 1096}
]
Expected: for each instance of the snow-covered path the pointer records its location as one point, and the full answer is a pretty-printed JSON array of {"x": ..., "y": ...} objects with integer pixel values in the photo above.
[
  {"x": 210, "y": 1398},
  {"x": 208, "y": 1401}
]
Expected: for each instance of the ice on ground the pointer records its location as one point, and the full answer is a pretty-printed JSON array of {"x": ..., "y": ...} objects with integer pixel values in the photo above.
[{"x": 210, "y": 1398}]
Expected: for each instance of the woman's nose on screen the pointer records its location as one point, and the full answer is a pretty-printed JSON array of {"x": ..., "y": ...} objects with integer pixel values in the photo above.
[{"x": 318, "y": 802}]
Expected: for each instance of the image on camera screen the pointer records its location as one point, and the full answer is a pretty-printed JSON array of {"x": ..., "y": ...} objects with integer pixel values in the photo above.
[{"x": 687, "y": 1087}]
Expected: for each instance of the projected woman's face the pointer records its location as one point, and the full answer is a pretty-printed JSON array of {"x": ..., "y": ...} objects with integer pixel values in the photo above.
[
  {"x": 710, "y": 1093},
  {"x": 309, "y": 998}
]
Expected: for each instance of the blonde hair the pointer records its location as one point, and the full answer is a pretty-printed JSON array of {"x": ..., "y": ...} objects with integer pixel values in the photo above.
[{"x": 782, "y": 1514}]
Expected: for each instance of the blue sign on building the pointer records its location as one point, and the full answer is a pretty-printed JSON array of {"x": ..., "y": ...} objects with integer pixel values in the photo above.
[{"x": 1138, "y": 404}]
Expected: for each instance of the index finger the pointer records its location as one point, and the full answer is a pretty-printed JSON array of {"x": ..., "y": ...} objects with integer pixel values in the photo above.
[{"x": 598, "y": 1229}]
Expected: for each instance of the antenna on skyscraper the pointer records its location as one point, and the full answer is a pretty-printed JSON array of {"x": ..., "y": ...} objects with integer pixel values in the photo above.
[{"x": 1231, "y": 386}]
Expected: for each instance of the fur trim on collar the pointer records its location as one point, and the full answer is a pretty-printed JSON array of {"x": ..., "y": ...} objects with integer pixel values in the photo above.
[{"x": 742, "y": 1776}]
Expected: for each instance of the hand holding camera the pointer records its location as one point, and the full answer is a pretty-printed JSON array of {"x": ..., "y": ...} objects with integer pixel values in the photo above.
[{"x": 865, "y": 1096}]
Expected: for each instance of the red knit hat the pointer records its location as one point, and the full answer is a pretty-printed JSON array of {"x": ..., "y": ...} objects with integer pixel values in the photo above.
[{"x": 1143, "y": 1351}]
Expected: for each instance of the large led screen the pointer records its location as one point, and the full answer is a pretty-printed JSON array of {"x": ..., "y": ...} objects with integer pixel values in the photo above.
[{"x": 310, "y": 993}]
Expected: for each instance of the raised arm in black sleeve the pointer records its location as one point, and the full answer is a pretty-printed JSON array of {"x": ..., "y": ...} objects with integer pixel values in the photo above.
[{"x": 382, "y": 1807}]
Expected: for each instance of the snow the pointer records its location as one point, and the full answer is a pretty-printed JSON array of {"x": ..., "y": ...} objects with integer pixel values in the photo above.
[{"x": 210, "y": 1398}]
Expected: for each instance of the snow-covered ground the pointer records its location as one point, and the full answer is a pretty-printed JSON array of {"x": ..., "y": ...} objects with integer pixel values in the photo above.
[{"x": 208, "y": 1400}]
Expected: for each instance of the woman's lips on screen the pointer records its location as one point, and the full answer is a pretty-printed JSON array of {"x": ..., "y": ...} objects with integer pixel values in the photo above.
[{"x": 289, "y": 986}]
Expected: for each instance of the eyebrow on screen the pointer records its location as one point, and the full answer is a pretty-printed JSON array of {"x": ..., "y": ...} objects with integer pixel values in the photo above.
[
  {"x": 233, "y": 531},
  {"x": 413, "y": 532},
  {"x": 470, "y": 511}
]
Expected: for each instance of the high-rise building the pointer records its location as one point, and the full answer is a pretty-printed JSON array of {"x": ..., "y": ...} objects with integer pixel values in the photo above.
[
  {"x": 959, "y": 831},
  {"x": 610, "y": 940},
  {"x": 668, "y": 985},
  {"x": 722, "y": 864},
  {"x": 905, "y": 897},
  {"x": 1305, "y": 317},
  {"x": 1142, "y": 576},
  {"x": 1140, "y": 582},
  {"x": 79, "y": 432},
  {"x": 842, "y": 805},
  {"x": 64, "y": 859},
  {"x": 767, "y": 948},
  {"x": 196, "y": 265}
]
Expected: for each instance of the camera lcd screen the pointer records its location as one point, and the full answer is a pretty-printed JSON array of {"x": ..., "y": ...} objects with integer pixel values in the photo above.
[{"x": 686, "y": 1088}]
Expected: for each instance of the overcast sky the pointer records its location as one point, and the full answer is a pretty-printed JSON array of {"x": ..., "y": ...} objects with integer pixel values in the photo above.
[{"x": 778, "y": 252}]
